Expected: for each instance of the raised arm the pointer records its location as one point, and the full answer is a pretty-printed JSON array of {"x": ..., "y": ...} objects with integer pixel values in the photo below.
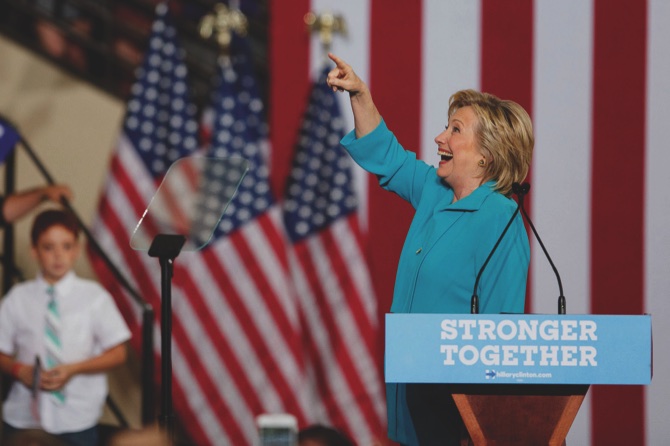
[
  {"x": 18, "y": 204},
  {"x": 343, "y": 78}
]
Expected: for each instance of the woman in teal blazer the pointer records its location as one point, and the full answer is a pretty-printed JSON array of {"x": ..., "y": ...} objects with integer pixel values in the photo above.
[{"x": 461, "y": 208}]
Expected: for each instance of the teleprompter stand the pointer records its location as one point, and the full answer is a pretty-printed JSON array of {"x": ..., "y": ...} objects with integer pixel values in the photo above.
[
  {"x": 183, "y": 215},
  {"x": 166, "y": 247}
]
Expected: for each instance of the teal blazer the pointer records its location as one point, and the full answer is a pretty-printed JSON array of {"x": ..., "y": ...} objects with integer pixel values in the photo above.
[{"x": 446, "y": 245}]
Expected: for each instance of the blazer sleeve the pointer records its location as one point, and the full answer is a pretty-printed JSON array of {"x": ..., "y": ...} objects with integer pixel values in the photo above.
[{"x": 397, "y": 169}]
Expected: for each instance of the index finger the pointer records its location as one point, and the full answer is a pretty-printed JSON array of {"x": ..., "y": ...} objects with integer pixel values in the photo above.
[{"x": 339, "y": 62}]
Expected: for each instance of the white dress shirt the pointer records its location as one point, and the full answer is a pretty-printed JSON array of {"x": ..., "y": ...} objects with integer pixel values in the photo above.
[{"x": 91, "y": 324}]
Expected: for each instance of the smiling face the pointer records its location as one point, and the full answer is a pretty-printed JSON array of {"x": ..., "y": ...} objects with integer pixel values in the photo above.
[
  {"x": 56, "y": 251},
  {"x": 460, "y": 159}
]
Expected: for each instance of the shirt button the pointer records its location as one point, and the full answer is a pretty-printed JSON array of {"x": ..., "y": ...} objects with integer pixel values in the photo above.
[{"x": 419, "y": 250}]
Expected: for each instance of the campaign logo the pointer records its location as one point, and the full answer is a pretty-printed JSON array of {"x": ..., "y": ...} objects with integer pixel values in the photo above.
[{"x": 490, "y": 374}]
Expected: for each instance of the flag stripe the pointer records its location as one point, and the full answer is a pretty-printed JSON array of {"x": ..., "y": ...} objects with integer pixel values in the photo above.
[
  {"x": 357, "y": 16},
  {"x": 507, "y": 50},
  {"x": 448, "y": 66},
  {"x": 346, "y": 238},
  {"x": 619, "y": 85},
  {"x": 289, "y": 64},
  {"x": 259, "y": 323},
  {"x": 562, "y": 78},
  {"x": 342, "y": 306},
  {"x": 393, "y": 84},
  {"x": 657, "y": 215},
  {"x": 335, "y": 277},
  {"x": 507, "y": 62},
  {"x": 331, "y": 383},
  {"x": 244, "y": 377},
  {"x": 317, "y": 287}
]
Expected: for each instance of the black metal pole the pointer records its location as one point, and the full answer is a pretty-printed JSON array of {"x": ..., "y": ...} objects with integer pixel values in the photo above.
[
  {"x": 166, "y": 248},
  {"x": 8, "y": 267},
  {"x": 147, "y": 372},
  {"x": 167, "y": 417}
]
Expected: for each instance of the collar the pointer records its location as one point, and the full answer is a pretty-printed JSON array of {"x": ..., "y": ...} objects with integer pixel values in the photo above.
[
  {"x": 473, "y": 201},
  {"x": 62, "y": 287}
]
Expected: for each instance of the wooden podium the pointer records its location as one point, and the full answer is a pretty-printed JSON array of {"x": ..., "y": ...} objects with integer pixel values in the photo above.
[
  {"x": 518, "y": 379},
  {"x": 516, "y": 415}
]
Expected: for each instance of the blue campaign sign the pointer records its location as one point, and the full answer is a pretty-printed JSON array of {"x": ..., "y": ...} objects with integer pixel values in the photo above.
[{"x": 518, "y": 349}]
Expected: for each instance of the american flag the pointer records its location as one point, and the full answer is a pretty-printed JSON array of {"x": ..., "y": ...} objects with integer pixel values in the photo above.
[
  {"x": 331, "y": 275},
  {"x": 238, "y": 341},
  {"x": 243, "y": 273},
  {"x": 160, "y": 127},
  {"x": 595, "y": 77}
]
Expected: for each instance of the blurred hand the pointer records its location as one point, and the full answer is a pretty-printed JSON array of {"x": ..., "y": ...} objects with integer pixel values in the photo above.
[
  {"x": 57, "y": 377},
  {"x": 25, "y": 375},
  {"x": 55, "y": 192},
  {"x": 343, "y": 77}
]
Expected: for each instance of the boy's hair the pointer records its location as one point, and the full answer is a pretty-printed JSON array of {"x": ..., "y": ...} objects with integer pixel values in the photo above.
[{"x": 53, "y": 217}]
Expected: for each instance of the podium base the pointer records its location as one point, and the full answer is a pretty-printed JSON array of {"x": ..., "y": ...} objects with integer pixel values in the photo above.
[{"x": 517, "y": 415}]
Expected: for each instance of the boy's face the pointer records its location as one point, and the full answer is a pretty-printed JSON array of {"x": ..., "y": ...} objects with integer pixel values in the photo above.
[{"x": 56, "y": 251}]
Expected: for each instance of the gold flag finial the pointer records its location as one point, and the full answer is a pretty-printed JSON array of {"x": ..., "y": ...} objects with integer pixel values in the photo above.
[
  {"x": 326, "y": 25},
  {"x": 221, "y": 23}
]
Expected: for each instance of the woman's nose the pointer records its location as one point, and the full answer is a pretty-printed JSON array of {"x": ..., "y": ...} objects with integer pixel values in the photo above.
[{"x": 441, "y": 138}]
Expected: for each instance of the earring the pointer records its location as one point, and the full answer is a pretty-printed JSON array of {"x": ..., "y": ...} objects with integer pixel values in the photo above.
[{"x": 482, "y": 163}]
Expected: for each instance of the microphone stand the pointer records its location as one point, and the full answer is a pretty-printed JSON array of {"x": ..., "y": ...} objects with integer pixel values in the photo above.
[
  {"x": 474, "y": 301},
  {"x": 521, "y": 190}
]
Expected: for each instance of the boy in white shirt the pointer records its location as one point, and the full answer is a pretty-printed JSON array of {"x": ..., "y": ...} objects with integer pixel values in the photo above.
[{"x": 69, "y": 325}]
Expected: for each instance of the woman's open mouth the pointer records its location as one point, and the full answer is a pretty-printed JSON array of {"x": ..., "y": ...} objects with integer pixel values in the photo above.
[{"x": 444, "y": 155}]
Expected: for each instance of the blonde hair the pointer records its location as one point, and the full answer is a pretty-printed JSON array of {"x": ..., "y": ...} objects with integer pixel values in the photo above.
[{"x": 504, "y": 134}]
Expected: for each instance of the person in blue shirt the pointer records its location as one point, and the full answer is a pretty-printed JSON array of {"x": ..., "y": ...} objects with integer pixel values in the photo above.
[{"x": 461, "y": 208}]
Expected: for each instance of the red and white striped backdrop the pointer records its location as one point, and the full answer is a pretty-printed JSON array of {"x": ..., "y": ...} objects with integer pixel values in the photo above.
[{"x": 595, "y": 77}]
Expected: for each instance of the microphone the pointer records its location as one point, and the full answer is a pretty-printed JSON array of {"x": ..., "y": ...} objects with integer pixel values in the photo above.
[
  {"x": 520, "y": 190},
  {"x": 474, "y": 301}
]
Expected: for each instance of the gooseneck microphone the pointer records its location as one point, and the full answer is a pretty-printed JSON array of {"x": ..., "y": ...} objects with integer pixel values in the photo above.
[
  {"x": 474, "y": 301},
  {"x": 521, "y": 190}
]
